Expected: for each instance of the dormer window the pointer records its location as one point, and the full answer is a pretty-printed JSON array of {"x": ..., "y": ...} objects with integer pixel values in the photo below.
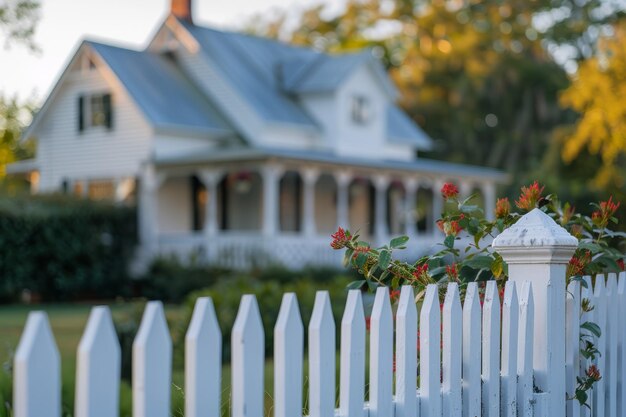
[
  {"x": 361, "y": 109},
  {"x": 94, "y": 111}
]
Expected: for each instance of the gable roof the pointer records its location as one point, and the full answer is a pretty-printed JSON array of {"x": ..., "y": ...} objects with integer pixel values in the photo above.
[
  {"x": 161, "y": 91},
  {"x": 250, "y": 63},
  {"x": 401, "y": 129}
]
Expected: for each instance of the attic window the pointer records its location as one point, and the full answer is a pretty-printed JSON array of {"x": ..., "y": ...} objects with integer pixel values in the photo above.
[
  {"x": 95, "y": 111},
  {"x": 361, "y": 109}
]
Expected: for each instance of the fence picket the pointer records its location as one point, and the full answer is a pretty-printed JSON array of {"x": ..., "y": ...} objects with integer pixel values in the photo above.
[
  {"x": 352, "y": 373},
  {"x": 288, "y": 355},
  {"x": 152, "y": 364},
  {"x": 587, "y": 294},
  {"x": 406, "y": 354},
  {"x": 600, "y": 300},
  {"x": 248, "y": 357},
  {"x": 621, "y": 346},
  {"x": 525, "y": 351},
  {"x": 430, "y": 351},
  {"x": 572, "y": 346},
  {"x": 508, "y": 373},
  {"x": 322, "y": 358},
  {"x": 491, "y": 351},
  {"x": 36, "y": 373},
  {"x": 611, "y": 346},
  {"x": 452, "y": 352},
  {"x": 381, "y": 356},
  {"x": 471, "y": 351},
  {"x": 98, "y": 367},
  {"x": 203, "y": 361}
]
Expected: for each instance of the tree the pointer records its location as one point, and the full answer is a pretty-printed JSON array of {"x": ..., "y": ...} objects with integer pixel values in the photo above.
[
  {"x": 479, "y": 77},
  {"x": 18, "y": 20},
  {"x": 13, "y": 115},
  {"x": 597, "y": 93}
]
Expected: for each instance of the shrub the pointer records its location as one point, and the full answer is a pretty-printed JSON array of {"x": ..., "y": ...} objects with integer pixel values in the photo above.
[{"x": 60, "y": 247}]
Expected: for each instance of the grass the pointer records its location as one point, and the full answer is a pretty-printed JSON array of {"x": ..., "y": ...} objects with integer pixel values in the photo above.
[{"x": 68, "y": 322}]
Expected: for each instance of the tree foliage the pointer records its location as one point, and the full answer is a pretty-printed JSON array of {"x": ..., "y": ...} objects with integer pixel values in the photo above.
[
  {"x": 13, "y": 117},
  {"x": 18, "y": 20},
  {"x": 480, "y": 77},
  {"x": 597, "y": 93}
]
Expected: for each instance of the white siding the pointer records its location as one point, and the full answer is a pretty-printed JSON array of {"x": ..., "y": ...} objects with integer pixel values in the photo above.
[
  {"x": 64, "y": 152},
  {"x": 169, "y": 146}
]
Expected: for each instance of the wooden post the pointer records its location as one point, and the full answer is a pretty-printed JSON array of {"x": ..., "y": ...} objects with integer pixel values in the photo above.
[{"x": 536, "y": 249}]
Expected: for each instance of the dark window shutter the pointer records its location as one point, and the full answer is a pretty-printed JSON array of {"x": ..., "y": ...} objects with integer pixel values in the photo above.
[
  {"x": 108, "y": 111},
  {"x": 81, "y": 113}
]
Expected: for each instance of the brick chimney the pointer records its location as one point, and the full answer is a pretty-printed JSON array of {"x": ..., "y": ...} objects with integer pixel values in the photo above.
[{"x": 182, "y": 9}]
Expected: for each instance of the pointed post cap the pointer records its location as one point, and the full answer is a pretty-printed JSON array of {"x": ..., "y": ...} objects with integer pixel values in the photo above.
[{"x": 535, "y": 238}]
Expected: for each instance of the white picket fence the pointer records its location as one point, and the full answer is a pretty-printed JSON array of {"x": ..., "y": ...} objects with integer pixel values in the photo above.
[{"x": 473, "y": 360}]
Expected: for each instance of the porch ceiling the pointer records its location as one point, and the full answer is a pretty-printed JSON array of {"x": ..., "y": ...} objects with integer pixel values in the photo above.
[{"x": 418, "y": 166}]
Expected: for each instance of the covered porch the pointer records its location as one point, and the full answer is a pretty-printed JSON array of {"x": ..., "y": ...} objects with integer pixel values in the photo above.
[{"x": 264, "y": 209}]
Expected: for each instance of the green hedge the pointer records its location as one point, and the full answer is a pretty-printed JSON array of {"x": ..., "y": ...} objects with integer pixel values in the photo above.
[{"x": 61, "y": 248}]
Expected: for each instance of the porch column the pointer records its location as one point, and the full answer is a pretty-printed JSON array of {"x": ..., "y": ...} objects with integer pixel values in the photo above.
[
  {"x": 271, "y": 177},
  {"x": 410, "y": 201},
  {"x": 309, "y": 178},
  {"x": 147, "y": 209},
  {"x": 210, "y": 179},
  {"x": 489, "y": 194},
  {"x": 343, "y": 179},
  {"x": 381, "y": 231},
  {"x": 437, "y": 203}
]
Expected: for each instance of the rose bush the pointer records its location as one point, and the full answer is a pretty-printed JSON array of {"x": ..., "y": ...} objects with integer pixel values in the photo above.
[{"x": 465, "y": 254}]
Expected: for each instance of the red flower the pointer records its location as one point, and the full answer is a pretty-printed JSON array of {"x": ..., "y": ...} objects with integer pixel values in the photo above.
[
  {"x": 440, "y": 225},
  {"x": 449, "y": 190},
  {"x": 450, "y": 228},
  {"x": 421, "y": 273},
  {"x": 360, "y": 249},
  {"x": 394, "y": 295},
  {"x": 503, "y": 208},
  {"x": 577, "y": 264},
  {"x": 530, "y": 196},
  {"x": 340, "y": 239},
  {"x": 620, "y": 262},
  {"x": 607, "y": 209},
  {"x": 594, "y": 373},
  {"x": 452, "y": 272}
]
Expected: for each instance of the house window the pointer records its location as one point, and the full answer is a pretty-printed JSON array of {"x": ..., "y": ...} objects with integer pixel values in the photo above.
[
  {"x": 101, "y": 190},
  {"x": 361, "y": 109},
  {"x": 95, "y": 111}
]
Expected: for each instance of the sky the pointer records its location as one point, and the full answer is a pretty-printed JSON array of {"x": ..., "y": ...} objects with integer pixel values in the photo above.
[{"x": 127, "y": 22}]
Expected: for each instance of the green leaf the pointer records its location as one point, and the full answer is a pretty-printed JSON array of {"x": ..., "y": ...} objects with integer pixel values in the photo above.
[
  {"x": 384, "y": 259},
  {"x": 361, "y": 258},
  {"x": 581, "y": 396},
  {"x": 592, "y": 327},
  {"x": 449, "y": 241},
  {"x": 480, "y": 262},
  {"x": 372, "y": 285},
  {"x": 355, "y": 285},
  {"x": 590, "y": 246},
  {"x": 399, "y": 241}
]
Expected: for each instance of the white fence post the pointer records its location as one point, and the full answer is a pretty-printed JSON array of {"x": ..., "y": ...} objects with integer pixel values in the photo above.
[
  {"x": 430, "y": 354},
  {"x": 381, "y": 356},
  {"x": 491, "y": 351},
  {"x": 598, "y": 407},
  {"x": 538, "y": 250},
  {"x": 98, "y": 367},
  {"x": 611, "y": 347},
  {"x": 288, "y": 358},
  {"x": 621, "y": 346},
  {"x": 352, "y": 372},
  {"x": 572, "y": 347},
  {"x": 508, "y": 358},
  {"x": 152, "y": 364},
  {"x": 36, "y": 373},
  {"x": 451, "y": 365},
  {"x": 406, "y": 355},
  {"x": 203, "y": 361},
  {"x": 248, "y": 358},
  {"x": 525, "y": 352},
  {"x": 322, "y": 358},
  {"x": 471, "y": 352}
]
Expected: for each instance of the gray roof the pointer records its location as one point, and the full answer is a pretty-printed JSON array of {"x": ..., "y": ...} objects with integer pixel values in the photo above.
[
  {"x": 250, "y": 63},
  {"x": 401, "y": 129},
  {"x": 167, "y": 98},
  {"x": 420, "y": 165}
]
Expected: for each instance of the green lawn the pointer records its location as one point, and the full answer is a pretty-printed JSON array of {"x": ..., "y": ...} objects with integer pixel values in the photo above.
[{"x": 68, "y": 322}]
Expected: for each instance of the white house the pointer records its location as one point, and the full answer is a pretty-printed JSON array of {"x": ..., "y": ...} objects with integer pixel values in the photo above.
[{"x": 238, "y": 148}]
